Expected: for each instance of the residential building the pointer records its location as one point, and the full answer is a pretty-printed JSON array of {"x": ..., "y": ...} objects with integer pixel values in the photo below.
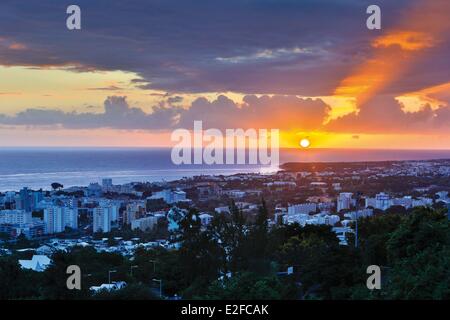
[
  {"x": 303, "y": 208},
  {"x": 170, "y": 196},
  {"x": 57, "y": 218},
  {"x": 382, "y": 201},
  {"x": 102, "y": 218},
  {"x": 144, "y": 224},
  {"x": 345, "y": 201},
  {"x": 15, "y": 217},
  {"x": 134, "y": 210}
]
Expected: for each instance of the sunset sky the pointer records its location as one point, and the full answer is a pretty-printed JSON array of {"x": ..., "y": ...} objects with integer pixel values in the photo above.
[{"x": 140, "y": 69}]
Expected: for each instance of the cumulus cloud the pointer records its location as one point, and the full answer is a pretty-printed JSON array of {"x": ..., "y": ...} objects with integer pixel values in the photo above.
[
  {"x": 117, "y": 114},
  {"x": 385, "y": 114},
  {"x": 175, "y": 99},
  {"x": 282, "y": 112}
]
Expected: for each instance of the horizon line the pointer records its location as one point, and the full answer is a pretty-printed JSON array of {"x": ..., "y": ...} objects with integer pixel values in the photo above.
[{"x": 170, "y": 147}]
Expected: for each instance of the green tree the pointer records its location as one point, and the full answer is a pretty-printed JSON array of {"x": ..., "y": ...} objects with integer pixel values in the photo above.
[
  {"x": 247, "y": 286},
  {"x": 57, "y": 186},
  {"x": 256, "y": 243},
  {"x": 200, "y": 256},
  {"x": 16, "y": 283},
  {"x": 422, "y": 229},
  {"x": 424, "y": 275},
  {"x": 130, "y": 292}
]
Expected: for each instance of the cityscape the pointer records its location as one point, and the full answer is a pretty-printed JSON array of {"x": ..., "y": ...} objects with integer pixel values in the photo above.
[
  {"x": 214, "y": 158},
  {"x": 135, "y": 221}
]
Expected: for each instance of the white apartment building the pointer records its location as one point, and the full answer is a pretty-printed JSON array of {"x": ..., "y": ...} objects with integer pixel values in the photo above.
[
  {"x": 170, "y": 196},
  {"x": 134, "y": 210},
  {"x": 405, "y": 202},
  {"x": 305, "y": 219},
  {"x": 422, "y": 201},
  {"x": 382, "y": 201},
  {"x": 56, "y": 219},
  {"x": 360, "y": 213},
  {"x": 303, "y": 208},
  {"x": 114, "y": 206},
  {"x": 345, "y": 201},
  {"x": 15, "y": 217},
  {"x": 299, "y": 218},
  {"x": 102, "y": 217},
  {"x": 147, "y": 223}
]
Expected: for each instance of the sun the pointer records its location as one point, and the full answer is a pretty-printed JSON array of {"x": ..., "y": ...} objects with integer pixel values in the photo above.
[{"x": 304, "y": 143}]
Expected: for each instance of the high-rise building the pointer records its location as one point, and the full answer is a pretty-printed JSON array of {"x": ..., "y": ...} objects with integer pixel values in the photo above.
[
  {"x": 134, "y": 210},
  {"x": 25, "y": 199},
  {"x": 344, "y": 201},
  {"x": 56, "y": 219},
  {"x": 102, "y": 218},
  {"x": 37, "y": 197}
]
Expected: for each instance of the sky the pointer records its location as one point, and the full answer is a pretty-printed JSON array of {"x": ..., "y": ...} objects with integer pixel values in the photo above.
[{"x": 137, "y": 70}]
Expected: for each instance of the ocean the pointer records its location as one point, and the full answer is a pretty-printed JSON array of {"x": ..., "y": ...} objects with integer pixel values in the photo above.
[{"x": 37, "y": 168}]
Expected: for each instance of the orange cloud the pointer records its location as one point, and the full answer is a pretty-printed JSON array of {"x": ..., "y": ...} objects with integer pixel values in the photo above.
[
  {"x": 11, "y": 45},
  {"x": 422, "y": 27},
  {"x": 435, "y": 97},
  {"x": 17, "y": 46},
  {"x": 406, "y": 40}
]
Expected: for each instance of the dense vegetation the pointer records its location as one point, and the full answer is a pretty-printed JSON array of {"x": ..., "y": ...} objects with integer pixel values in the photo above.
[{"x": 233, "y": 259}]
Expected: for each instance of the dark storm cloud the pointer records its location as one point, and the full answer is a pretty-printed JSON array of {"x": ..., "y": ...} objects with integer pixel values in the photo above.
[{"x": 253, "y": 46}]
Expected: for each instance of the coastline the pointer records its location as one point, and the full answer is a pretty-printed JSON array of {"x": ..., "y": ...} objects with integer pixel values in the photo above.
[{"x": 39, "y": 167}]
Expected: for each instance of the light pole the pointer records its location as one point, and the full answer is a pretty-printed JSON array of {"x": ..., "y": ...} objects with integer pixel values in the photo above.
[
  {"x": 85, "y": 276},
  {"x": 131, "y": 270},
  {"x": 109, "y": 275},
  {"x": 358, "y": 196},
  {"x": 160, "y": 286},
  {"x": 356, "y": 229},
  {"x": 154, "y": 265}
]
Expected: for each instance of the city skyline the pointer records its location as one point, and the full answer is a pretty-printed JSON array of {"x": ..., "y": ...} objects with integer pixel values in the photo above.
[{"x": 137, "y": 71}]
